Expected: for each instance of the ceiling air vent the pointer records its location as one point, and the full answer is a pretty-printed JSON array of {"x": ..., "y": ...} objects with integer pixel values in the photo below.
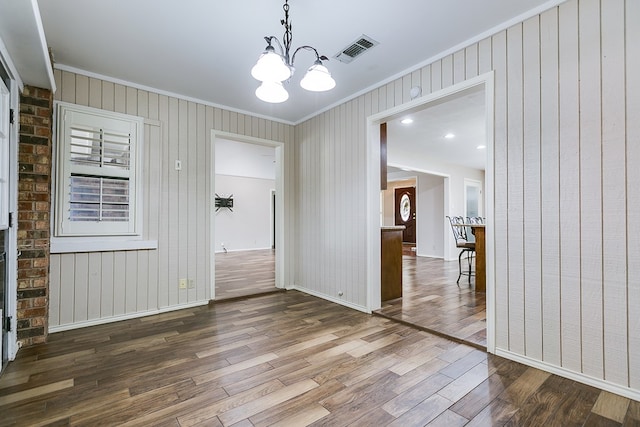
[{"x": 355, "y": 49}]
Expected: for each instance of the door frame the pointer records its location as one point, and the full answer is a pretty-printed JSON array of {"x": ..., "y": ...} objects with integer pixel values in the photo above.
[
  {"x": 373, "y": 191},
  {"x": 282, "y": 266},
  {"x": 468, "y": 182},
  {"x": 11, "y": 262}
]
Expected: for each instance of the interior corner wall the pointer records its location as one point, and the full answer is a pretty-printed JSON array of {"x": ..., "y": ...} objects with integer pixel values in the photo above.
[
  {"x": 248, "y": 225},
  {"x": 566, "y": 210},
  {"x": 98, "y": 287}
]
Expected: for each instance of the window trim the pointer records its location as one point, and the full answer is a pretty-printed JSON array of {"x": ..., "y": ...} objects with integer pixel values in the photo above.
[{"x": 61, "y": 241}]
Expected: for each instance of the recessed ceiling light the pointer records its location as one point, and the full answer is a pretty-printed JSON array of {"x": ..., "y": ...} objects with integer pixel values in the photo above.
[
  {"x": 449, "y": 136},
  {"x": 481, "y": 147},
  {"x": 406, "y": 121}
]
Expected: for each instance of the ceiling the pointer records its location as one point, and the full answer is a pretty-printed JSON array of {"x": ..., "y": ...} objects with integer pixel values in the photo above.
[
  {"x": 461, "y": 115},
  {"x": 204, "y": 49}
]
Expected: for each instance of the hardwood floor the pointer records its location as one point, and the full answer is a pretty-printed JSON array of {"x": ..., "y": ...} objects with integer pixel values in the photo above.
[
  {"x": 286, "y": 359},
  {"x": 244, "y": 273},
  {"x": 432, "y": 301}
]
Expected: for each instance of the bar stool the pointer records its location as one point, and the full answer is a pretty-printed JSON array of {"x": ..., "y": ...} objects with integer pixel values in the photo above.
[{"x": 462, "y": 242}]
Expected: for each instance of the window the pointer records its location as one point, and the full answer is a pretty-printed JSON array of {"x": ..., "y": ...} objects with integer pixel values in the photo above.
[{"x": 97, "y": 171}]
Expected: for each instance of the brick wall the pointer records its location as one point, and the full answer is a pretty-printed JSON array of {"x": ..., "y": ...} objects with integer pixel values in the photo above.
[{"x": 34, "y": 207}]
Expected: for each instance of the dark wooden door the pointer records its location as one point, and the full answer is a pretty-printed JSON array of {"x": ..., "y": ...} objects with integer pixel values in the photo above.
[{"x": 405, "y": 201}]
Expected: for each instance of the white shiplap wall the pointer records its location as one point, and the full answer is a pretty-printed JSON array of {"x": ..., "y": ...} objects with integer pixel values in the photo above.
[
  {"x": 566, "y": 156},
  {"x": 94, "y": 287}
]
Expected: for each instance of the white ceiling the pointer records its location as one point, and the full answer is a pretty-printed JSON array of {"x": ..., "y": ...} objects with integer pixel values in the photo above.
[
  {"x": 462, "y": 115},
  {"x": 204, "y": 49}
]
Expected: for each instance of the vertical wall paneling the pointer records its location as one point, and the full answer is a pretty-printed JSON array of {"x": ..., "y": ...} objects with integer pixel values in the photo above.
[
  {"x": 67, "y": 88},
  {"x": 531, "y": 188},
  {"x": 406, "y": 88},
  {"x": 447, "y": 71},
  {"x": 591, "y": 184},
  {"x": 164, "y": 206},
  {"x": 82, "y": 90},
  {"x": 182, "y": 225},
  {"x": 108, "y": 94},
  {"x": 131, "y": 281},
  {"x": 565, "y": 124},
  {"x": 499, "y": 55},
  {"x": 94, "y": 286},
  {"x": 632, "y": 79},
  {"x": 515, "y": 201},
  {"x": 570, "y": 187},
  {"x": 471, "y": 61},
  {"x": 459, "y": 67},
  {"x": 550, "y": 186},
  {"x": 210, "y": 267},
  {"x": 107, "y": 288},
  {"x": 425, "y": 82},
  {"x": 81, "y": 287},
  {"x": 141, "y": 281},
  {"x": 416, "y": 80},
  {"x": 484, "y": 56},
  {"x": 67, "y": 295},
  {"x": 119, "y": 99},
  {"x": 173, "y": 204},
  {"x": 120, "y": 283},
  {"x": 95, "y": 93},
  {"x": 54, "y": 291},
  {"x": 614, "y": 228},
  {"x": 201, "y": 229},
  {"x": 192, "y": 200},
  {"x": 89, "y": 287}
]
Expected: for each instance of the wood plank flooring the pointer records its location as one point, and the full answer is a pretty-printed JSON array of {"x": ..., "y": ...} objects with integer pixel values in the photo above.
[
  {"x": 244, "y": 273},
  {"x": 432, "y": 301},
  {"x": 285, "y": 359}
]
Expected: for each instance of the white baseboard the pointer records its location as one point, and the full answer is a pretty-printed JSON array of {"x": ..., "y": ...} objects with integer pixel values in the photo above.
[
  {"x": 104, "y": 320},
  {"x": 332, "y": 299},
  {"x": 430, "y": 256},
  {"x": 244, "y": 250},
  {"x": 576, "y": 376}
]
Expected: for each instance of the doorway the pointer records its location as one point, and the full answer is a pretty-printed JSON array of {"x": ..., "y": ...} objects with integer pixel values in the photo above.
[
  {"x": 248, "y": 239},
  {"x": 409, "y": 160}
]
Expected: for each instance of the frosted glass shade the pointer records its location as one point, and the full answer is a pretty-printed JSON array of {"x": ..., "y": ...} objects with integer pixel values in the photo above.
[
  {"x": 270, "y": 68},
  {"x": 272, "y": 92},
  {"x": 318, "y": 79}
]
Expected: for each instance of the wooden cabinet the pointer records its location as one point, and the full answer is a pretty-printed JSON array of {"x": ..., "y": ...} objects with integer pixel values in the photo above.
[{"x": 391, "y": 262}]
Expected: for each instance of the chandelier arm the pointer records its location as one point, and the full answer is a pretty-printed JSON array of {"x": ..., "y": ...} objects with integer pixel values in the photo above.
[
  {"x": 271, "y": 39},
  {"x": 306, "y": 47}
]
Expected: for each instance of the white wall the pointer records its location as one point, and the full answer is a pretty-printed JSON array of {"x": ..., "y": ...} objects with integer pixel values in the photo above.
[
  {"x": 249, "y": 225},
  {"x": 567, "y": 210},
  {"x": 430, "y": 208}
]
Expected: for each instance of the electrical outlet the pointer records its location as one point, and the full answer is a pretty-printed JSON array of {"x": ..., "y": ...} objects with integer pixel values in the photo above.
[
  {"x": 192, "y": 284},
  {"x": 182, "y": 284}
]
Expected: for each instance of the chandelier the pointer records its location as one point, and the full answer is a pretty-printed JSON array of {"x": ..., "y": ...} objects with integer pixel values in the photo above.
[{"x": 273, "y": 67}]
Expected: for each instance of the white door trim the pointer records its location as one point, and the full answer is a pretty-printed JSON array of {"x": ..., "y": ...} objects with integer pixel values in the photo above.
[
  {"x": 281, "y": 266},
  {"x": 373, "y": 192}
]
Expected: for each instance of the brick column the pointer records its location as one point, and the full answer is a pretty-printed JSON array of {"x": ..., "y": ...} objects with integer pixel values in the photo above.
[{"x": 34, "y": 207}]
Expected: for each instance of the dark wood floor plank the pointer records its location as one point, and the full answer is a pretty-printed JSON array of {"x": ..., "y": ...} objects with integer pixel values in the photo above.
[{"x": 304, "y": 361}]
